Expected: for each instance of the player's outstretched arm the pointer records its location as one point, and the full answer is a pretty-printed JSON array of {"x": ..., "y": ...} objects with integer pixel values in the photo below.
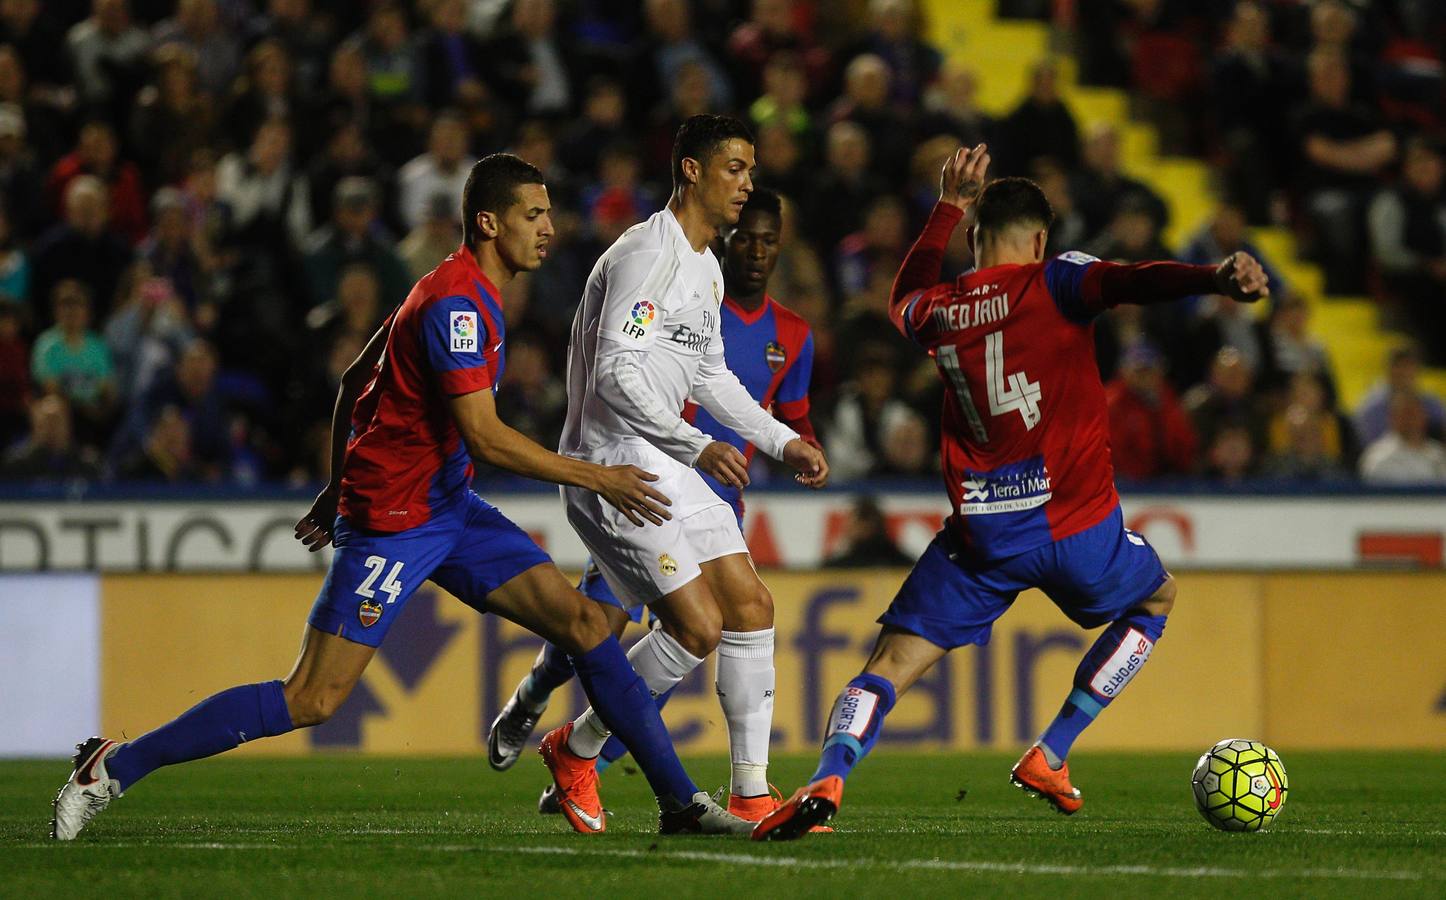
[
  {"x": 496, "y": 443},
  {"x": 1239, "y": 276},
  {"x": 314, "y": 528},
  {"x": 960, "y": 183}
]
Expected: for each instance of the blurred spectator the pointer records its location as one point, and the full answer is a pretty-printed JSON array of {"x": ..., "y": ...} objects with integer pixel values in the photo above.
[
  {"x": 866, "y": 102},
  {"x": 1068, "y": 232},
  {"x": 1150, "y": 435},
  {"x": 1230, "y": 455},
  {"x": 866, "y": 413},
  {"x": 893, "y": 36},
  {"x": 452, "y": 61},
  {"x": 147, "y": 332},
  {"x": 172, "y": 249},
  {"x": 950, "y": 108},
  {"x": 1292, "y": 349},
  {"x": 774, "y": 26},
  {"x": 443, "y": 169},
  {"x": 1251, "y": 88},
  {"x": 14, "y": 267},
  {"x": 107, "y": 55},
  {"x": 166, "y": 454},
  {"x": 71, "y": 360},
  {"x": 1405, "y": 455},
  {"x": 268, "y": 211},
  {"x": 867, "y": 544},
  {"x": 1040, "y": 126},
  {"x": 907, "y": 450},
  {"x": 47, "y": 120},
  {"x": 1403, "y": 375},
  {"x": 351, "y": 237},
  {"x": 267, "y": 92},
  {"x": 1225, "y": 233},
  {"x": 1342, "y": 148},
  {"x": 532, "y": 399},
  {"x": 783, "y": 166},
  {"x": 1305, "y": 453},
  {"x": 305, "y": 35},
  {"x": 1309, "y": 439},
  {"x": 197, "y": 27},
  {"x": 1131, "y": 234},
  {"x": 619, "y": 177},
  {"x": 81, "y": 246},
  {"x": 424, "y": 248},
  {"x": 14, "y": 376},
  {"x": 602, "y": 124},
  {"x": 355, "y": 313},
  {"x": 675, "y": 45},
  {"x": 172, "y": 119},
  {"x": 1408, "y": 238},
  {"x": 785, "y": 90},
  {"x": 688, "y": 96},
  {"x": 97, "y": 153},
  {"x": 1101, "y": 187},
  {"x": 1227, "y": 401},
  {"x": 345, "y": 153},
  {"x": 531, "y": 60},
  {"x": 391, "y": 57},
  {"x": 19, "y": 180},
  {"x": 845, "y": 187},
  {"x": 872, "y": 253},
  {"x": 50, "y": 451},
  {"x": 189, "y": 391},
  {"x": 35, "y": 33}
]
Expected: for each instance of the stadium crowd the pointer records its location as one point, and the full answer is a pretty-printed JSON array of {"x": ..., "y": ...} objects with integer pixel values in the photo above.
[{"x": 209, "y": 205}]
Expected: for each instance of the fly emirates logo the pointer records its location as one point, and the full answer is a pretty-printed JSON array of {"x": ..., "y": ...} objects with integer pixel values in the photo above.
[{"x": 983, "y": 310}]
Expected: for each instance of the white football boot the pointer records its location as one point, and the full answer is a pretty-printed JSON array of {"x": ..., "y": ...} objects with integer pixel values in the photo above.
[
  {"x": 702, "y": 816},
  {"x": 89, "y": 790},
  {"x": 510, "y": 732}
]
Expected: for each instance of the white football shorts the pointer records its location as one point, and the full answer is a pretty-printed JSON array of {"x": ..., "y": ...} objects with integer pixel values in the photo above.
[{"x": 644, "y": 563}]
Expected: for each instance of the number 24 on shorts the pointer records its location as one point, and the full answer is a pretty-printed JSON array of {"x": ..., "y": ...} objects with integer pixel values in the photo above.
[{"x": 389, "y": 586}]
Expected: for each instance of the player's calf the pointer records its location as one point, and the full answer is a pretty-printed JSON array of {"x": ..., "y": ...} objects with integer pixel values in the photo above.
[{"x": 1109, "y": 666}]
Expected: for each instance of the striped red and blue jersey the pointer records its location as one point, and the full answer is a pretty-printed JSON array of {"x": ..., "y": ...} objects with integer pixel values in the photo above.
[
  {"x": 771, "y": 351},
  {"x": 405, "y": 459}
]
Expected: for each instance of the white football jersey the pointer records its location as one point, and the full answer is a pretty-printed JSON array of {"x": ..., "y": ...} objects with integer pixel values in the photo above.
[{"x": 654, "y": 300}]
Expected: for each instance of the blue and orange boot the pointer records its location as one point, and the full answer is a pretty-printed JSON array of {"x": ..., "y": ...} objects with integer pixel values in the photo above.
[
  {"x": 1033, "y": 775},
  {"x": 808, "y": 808}
]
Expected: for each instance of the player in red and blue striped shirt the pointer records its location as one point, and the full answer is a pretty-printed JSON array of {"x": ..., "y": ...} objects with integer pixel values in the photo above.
[{"x": 412, "y": 411}]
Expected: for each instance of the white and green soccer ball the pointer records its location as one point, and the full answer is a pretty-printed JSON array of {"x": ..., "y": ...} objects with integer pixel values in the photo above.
[{"x": 1240, "y": 785}]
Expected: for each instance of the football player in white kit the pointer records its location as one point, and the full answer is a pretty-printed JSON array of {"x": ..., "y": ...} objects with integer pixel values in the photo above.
[{"x": 644, "y": 340}]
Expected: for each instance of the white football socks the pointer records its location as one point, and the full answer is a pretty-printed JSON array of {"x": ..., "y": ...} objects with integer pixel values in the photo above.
[
  {"x": 745, "y": 689},
  {"x": 662, "y": 662}
]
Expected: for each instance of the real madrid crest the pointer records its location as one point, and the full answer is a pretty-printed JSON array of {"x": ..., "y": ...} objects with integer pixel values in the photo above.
[
  {"x": 775, "y": 356},
  {"x": 667, "y": 565}
]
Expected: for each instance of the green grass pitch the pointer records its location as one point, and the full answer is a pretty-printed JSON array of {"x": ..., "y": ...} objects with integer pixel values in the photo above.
[{"x": 916, "y": 825}]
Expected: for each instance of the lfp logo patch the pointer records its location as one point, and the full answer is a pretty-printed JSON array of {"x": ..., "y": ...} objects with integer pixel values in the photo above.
[
  {"x": 464, "y": 332},
  {"x": 775, "y": 356},
  {"x": 640, "y": 318}
]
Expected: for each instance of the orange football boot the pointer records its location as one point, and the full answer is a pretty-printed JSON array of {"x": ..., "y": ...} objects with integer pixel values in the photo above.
[
  {"x": 576, "y": 780},
  {"x": 755, "y": 809},
  {"x": 1033, "y": 775},
  {"x": 808, "y": 807}
]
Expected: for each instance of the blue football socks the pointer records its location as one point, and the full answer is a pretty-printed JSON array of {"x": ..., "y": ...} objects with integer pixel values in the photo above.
[
  {"x": 614, "y": 750},
  {"x": 214, "y": 725},
  {"x": 854, "y": 725},
  {"x": 551, "y": 670},
  {"x": 1111, "y": 663},
  {"x": 622, "y": 699}
]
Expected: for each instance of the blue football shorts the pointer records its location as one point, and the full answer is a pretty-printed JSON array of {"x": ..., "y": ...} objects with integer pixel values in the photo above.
[
  {"x": 468, "y": 549},
  {"x": 1093, "y": 577}
]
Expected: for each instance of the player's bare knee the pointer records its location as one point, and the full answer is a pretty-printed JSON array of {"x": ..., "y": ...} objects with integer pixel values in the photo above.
[
  {"x": 586, "y": 630},
  {"x": 1163, "y": 600},
  {"x": 700, "y": 633},
  {"x": 750, "y": 610}
]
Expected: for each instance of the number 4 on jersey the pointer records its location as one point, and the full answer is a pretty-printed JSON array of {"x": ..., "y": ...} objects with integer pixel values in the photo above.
[{"x": 1007, "y": 393}]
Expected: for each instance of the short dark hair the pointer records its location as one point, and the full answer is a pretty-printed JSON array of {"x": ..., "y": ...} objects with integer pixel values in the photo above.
[
  {"x": 701, "y": 135},
  {"x": 762, "y": 200},
  {"x": 1013, "y": 201},
  {"x": 492, "y": 186}
]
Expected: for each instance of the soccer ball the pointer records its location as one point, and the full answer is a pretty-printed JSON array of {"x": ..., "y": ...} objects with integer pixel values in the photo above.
[{"x": 1239, "y": 785}]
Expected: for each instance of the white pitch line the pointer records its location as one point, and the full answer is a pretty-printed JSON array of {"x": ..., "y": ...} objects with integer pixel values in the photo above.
[{"x": 794, "y": 862}]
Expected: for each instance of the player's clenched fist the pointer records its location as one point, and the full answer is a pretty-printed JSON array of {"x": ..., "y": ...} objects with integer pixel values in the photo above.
[
  {"x": 963, "y": 177},
  {"x": 1242, "y": 277},
  {"x": 627, "y": 488},
  {"x": 725, "y": 463},
  {"x": 314, "y": 529},
  {"x": 808, "y": 461}
]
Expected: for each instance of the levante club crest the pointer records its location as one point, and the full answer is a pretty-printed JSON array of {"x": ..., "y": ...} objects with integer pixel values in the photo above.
[
  {"x": 775, "y": 356},
  {"x": 369, "y": 612}
]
